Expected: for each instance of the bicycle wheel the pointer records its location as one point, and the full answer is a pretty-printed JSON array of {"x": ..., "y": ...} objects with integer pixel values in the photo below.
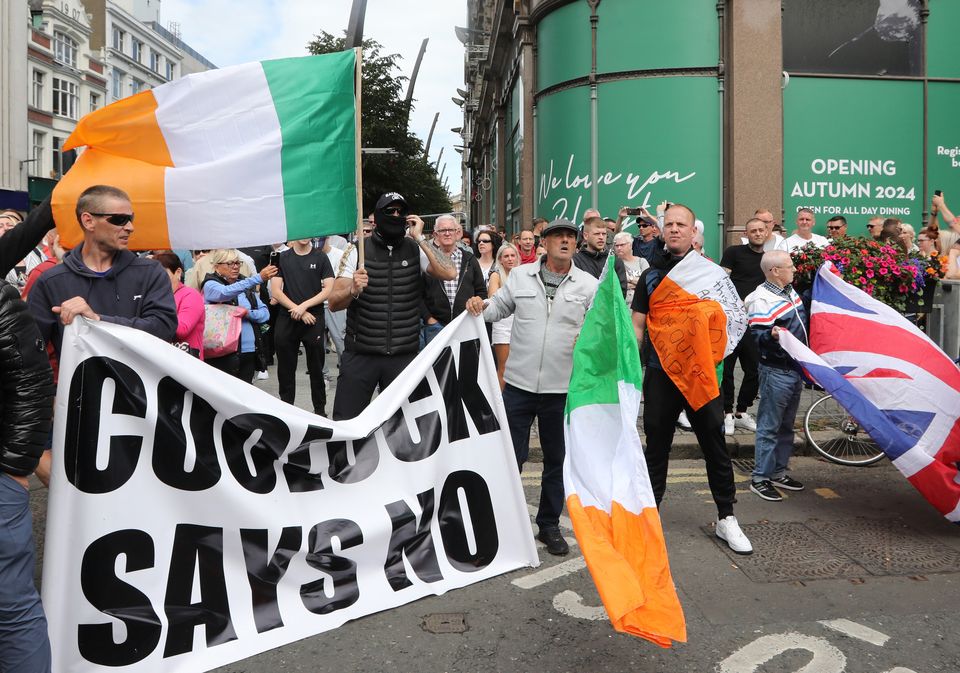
[{"x": 837, "y": 436}]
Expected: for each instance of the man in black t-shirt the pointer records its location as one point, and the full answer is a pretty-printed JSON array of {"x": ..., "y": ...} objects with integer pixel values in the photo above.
[
  {"x": 742, "y": 262},
  {"x": 300, "y": 288}
]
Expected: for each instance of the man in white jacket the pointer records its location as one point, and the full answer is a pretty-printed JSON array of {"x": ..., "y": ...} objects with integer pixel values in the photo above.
[{"x": 549, "y": 299}]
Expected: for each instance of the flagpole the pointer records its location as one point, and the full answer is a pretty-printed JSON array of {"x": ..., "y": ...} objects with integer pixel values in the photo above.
[{"x": 358, "y": 88}]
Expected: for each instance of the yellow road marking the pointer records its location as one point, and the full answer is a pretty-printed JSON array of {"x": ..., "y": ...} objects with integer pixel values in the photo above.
[{"x": 827, "y": 493}]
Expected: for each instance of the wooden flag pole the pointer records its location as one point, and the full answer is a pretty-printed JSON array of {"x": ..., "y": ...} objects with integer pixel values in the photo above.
[{"x": 358, "y": 88}]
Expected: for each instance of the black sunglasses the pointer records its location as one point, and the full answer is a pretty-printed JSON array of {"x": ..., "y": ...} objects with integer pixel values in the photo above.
[
  {"x": 116, "y": 219},
  {"x": 393, "y": 210}
]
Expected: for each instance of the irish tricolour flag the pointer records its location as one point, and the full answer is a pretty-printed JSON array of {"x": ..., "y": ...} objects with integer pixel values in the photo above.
[
  {"x": 245, "y": 155},
  {"x": 696, "y": 319},
  {"x": 609, "y": 498}
]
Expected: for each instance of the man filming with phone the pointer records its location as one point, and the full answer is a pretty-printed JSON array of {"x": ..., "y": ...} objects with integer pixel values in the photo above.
[
  {"x": 647, "y": 243},
  {"x": 383, "y": 303}
]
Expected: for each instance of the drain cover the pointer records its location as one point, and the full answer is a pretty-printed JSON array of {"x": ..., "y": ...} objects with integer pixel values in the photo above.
[
  {"x": 888, "y": 546},
  {"x": 444, "y": 622},
  {"x": 787, "y": 552},
  {"x": 744, "y": 465}
]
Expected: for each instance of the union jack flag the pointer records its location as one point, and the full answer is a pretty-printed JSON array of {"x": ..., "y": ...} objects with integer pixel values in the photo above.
[{"x": 888, "y": 375}]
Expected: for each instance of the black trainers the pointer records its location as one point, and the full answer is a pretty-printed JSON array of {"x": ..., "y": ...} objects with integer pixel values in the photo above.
[
  {"x": 766, "y": 490},
  {"x": 788, "y": 483},
  {"x": 555, "y": 543}
]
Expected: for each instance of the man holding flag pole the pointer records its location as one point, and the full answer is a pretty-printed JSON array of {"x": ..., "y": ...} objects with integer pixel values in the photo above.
[{"x": 687, "y": 317}]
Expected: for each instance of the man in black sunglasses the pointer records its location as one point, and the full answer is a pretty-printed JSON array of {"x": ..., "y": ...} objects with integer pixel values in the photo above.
[{"x": 101, "y": 279}]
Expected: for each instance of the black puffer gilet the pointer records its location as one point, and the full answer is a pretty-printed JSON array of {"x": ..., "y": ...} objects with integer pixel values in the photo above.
[{"x": 385, "y": 318}]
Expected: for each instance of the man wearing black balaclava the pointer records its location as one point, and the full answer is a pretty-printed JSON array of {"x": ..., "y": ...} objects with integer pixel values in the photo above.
[{"x": 382, "y": 299}]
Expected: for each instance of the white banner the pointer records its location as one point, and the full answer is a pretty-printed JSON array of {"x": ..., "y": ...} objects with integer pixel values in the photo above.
[{"x": 182, "y": 497}]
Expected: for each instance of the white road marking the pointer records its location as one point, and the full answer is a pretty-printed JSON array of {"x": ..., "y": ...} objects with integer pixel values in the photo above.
[
  {"x": 901, "y": 669},
  {"x": 859, "y": 631},
  {"x": 540, "y": 577},
  {"x": 571, "y": 604},
  {"x": 826, "y": 657}
]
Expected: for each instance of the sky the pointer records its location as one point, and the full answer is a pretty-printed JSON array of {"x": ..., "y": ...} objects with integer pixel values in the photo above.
[{"x": 228, "y": 32}]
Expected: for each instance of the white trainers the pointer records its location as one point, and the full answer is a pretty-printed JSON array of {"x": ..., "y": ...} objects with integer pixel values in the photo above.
[
  {"x": 683, "y": 421},
  {"x": 263, "y": 376},
  {"x": 745, "y": 421},
  {"x": 729, "y": 531},
  {"x": 728, "y": 424}
]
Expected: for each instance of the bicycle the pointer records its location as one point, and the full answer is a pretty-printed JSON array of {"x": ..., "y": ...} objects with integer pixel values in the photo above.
[{"x": 837, "y": 436}]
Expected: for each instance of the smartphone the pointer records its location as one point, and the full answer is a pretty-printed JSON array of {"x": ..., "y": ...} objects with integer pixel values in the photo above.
[
  {"x": 634, "y": 211},
  {"x": 937, "y": 192}
]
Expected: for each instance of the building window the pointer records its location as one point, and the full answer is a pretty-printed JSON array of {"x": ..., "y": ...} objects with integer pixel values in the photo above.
[
  {"x": 169, "y": 70},
  {"x": 137, "y": 52},
  {"x": 56, "y": 154},
  {"x": 65, "y": 98},
  {"x": 37, "y": 155},
  {"x": 64, "y": 49},
  {"x": 117, "y": 79},
  {"x": 154, "y": 61},
  {"x": 37, "y": 99},
  {"x": 119, "y": 37},
  {"x": 136, "y": 86},
  {"x": 94, "y": 101}
]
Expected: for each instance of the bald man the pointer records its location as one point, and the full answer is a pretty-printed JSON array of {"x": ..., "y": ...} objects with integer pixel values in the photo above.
[{"x": 772, "y": 308}]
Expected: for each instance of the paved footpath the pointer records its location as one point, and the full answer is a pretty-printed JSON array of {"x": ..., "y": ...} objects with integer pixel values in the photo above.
[{"x": 857, "y": 573}]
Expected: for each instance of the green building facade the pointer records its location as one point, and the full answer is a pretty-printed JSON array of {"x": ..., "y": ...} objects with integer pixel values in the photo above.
[{"x": 844, "y": 106}]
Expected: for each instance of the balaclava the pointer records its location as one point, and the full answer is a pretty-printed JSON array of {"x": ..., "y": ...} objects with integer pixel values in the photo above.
[{"x": 391, "y": 228}]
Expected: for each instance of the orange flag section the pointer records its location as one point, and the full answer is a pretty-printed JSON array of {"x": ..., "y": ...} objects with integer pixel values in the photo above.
[
  {"x": 127, "y": 128},
  {"x": 95, "y": 167},
  {"x": 125, "y": 149},
  {"x": 690, "y": 335},
  {"x": 632, "y": 577}
]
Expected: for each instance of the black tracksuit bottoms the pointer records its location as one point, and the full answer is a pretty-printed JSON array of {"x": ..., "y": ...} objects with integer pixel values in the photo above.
[
  {"x": 662, "y": 403},
  {"x": 360, "y": 374},
  {"x": 288, "y": 337}
]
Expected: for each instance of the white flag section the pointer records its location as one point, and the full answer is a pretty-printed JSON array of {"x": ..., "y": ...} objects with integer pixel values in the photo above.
[{"x": 195, "y": 520}]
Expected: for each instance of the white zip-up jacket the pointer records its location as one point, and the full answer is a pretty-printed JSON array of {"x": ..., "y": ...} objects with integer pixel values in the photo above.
[{"x": 541, "y": 343}]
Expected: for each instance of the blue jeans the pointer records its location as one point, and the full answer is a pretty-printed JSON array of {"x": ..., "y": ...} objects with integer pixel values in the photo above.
[
  {"x": 779, "y": 398},
  {"x": 522, "y": 407},
  {"x": 428, "y": 333},
  {"x": 24, "y": 645}
]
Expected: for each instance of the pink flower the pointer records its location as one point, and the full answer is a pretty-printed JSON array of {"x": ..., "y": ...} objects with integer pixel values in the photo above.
[
  {"x": 883, "y": 271},
  {"x": 869, "y": 273}
]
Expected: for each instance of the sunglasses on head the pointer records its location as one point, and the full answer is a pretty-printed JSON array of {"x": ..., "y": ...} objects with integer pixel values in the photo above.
[{"x": 116, "y": 219}]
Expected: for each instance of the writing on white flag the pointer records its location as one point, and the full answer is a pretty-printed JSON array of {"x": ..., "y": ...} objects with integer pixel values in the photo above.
[{"x": 194, "y": 520}]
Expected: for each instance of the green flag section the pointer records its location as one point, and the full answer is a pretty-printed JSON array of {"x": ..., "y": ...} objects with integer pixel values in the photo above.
[
  {"x": 313, "y": 97},
  {"x": 246, "y": 155},
  {"x": 606, "y": 350},
  {"x": 609, "y": 498}
]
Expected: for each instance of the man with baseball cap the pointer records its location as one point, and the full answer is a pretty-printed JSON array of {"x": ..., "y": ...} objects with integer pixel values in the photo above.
[
  {"x": 549, "y": 299},
  {"x": 382, "y": 299}
]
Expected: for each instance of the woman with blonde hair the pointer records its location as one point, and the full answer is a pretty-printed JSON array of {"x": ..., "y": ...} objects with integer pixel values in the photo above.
[
  {"x": 508, "y": 257},
  {"x": 226, "y": 285}
]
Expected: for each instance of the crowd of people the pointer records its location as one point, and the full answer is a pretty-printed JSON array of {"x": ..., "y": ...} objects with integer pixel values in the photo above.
[{"x": 307, "y": 296}]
